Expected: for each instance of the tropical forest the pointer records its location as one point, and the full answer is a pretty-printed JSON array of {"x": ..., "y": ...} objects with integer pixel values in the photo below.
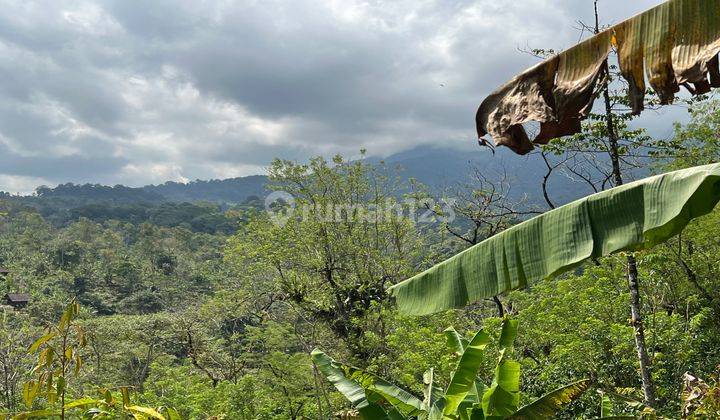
[{"x": 568, "y": 268}]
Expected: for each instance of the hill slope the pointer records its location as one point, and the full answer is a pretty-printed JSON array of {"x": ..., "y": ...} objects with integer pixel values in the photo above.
[{"x": 438, "y": 168}]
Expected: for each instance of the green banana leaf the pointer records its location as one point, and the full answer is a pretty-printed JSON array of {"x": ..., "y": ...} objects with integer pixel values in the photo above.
[
  {"x": 606, "y": 406},
  {"x": 503, "y": 396},
  {"x": 508, "y": 334},
  {"x": 401, "y": 400},
  {"x": 463, "y": 380},
  {"x": 350, "y": 389},
  {"x": 431, "y": 391},
  {"x": 364, "y": 390},
  {"x": 546, "y": 406},
  {"x": 455, "y": 342},
  {"x": 631, "y": 217}
]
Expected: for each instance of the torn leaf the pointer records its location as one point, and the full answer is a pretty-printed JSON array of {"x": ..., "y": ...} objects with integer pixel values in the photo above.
[{"x": 673, "y": 44}]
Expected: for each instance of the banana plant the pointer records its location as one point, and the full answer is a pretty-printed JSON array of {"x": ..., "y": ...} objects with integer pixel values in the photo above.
[{"x": 465, "y": 397}]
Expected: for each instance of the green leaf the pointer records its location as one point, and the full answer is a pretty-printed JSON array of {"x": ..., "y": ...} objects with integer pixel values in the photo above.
[
  {"x": 82, "y": 402},
  {"x": 60, "y": 386},
  {"x": 503, "y": 396},
  {"x": 431, "y": 391},
  {"x": 71, "y": 311},
  {"x": 125, "y": 392},
  {"x": 634, "y": 216},
  {"x": 40, "y": 341},
  {"x": 455, "y": 342},
  {"x": 47, "y": 413},
  {"x": 606, "y": 406},
  {"x": 508, "y": 334},
  {"x": 30, "y": 391},
  {"x": 377, "y": 410},
  {"x": 404, "y": 402},
  {"x": 465, "y": 374},
  {"x": 51, "y": 397},
  {"x": 476, "y": 413},
  {"x": 351, "y": 389},
  {"x": 107, "y": 396},
  {"x": 170, "y": 413},
  {"x": 549, "y": 404},
  {"x": 78, "y": 363},
  {"x": 335, "y": 374}
]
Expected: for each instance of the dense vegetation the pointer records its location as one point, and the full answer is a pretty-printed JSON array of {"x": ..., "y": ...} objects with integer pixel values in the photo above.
[{"x": 215, "y": 311}]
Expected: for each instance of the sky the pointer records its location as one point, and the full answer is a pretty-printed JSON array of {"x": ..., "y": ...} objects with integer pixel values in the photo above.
[{"x": 139, "y": 92}]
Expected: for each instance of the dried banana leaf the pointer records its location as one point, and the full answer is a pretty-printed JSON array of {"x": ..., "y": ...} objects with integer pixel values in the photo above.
[
  {"x": 676, "y": 43},
  {"x": 634, "y": 216},
  {"x": 574, "y": 90}
]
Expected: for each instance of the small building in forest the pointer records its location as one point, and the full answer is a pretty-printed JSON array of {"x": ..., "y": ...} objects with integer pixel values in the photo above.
[{"x": 17, "y": 300}]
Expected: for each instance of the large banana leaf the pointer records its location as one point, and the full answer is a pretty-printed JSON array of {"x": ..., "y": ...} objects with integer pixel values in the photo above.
[
  {"x": 463, "y": 380},
  {"x": 401, "y": 400},
  {"x": 503, "y": 396},
  {"x": 634, "y": 216},
  {"x": 364, "y": 390},
  {"x": 350, "y": 389},
  {"x": 455, "y": 342},
  {"x": 673, "y": 44}
]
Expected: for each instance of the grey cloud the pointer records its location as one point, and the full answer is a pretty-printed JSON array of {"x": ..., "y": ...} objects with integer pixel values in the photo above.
[{"x": 138, "y": 92}]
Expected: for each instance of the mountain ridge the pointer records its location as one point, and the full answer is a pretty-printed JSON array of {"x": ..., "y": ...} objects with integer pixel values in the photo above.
[{"x": 437, "y": 167}]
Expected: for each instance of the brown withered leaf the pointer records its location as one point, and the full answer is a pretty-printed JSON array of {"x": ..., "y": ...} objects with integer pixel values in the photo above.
[
  {"x": 673, "y": 44},
  {"x": 574, "y": 90},
  {"x": 528, "y": 97}
]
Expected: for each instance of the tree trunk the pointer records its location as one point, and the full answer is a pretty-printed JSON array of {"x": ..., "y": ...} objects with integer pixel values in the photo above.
[
  {"x": 500, "y": 307},
  {"x": 637, "y": 323},
  {"x": 632, "y": 273}
]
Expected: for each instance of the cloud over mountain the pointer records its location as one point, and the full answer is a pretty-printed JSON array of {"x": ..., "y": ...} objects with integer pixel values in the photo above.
[{"x": 143, "y": 92}]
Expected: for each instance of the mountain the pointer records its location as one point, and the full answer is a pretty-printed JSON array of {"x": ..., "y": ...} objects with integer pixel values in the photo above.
[
  {"x": 201, "y": 205},
  {"x": 225, "y": 191},
  {"x": 437, "y": 167},
  {"x": 448, "y": 168}
]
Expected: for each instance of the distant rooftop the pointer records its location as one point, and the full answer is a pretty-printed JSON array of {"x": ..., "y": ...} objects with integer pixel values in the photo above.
[
  {"x": 17, "y": 297},
  {"x": 17, "y": 300}
]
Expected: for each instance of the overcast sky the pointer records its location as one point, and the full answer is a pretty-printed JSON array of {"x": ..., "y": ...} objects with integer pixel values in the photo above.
[{"x": 139, "y": 92}]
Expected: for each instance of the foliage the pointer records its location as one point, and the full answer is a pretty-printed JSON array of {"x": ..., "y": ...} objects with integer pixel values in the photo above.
[
  {"x": 466, "y": 397},
  {"x": 331, "y": 256},
  {"x": 697, "y": 141},
  {"x": 629, "y": 217},
  {"x": 181, "y": 317},
  {"x": 59, "y": 359}
]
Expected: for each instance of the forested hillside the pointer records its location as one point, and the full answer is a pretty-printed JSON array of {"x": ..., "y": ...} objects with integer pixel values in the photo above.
[
  {"x": 200, "y": 204},
  {"x": 214, "y": 310}
]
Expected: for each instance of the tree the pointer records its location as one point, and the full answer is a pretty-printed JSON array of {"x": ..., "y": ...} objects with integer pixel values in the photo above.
[
  {"x": 14, "y": 337},
  {"x": 559, "y": 93},
  {"x": 345, "y": 241},
  {"x": 697, "y": 142},
  {"x": 59, "y": 357}
]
